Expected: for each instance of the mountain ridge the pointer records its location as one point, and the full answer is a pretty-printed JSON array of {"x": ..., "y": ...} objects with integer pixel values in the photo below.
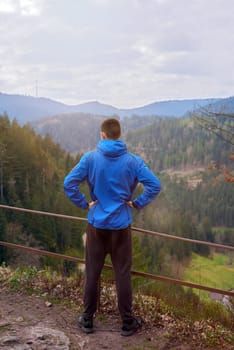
[{"x": 28, "y": 108}]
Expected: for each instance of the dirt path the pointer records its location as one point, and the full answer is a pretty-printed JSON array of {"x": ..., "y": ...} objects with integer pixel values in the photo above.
[{"x": 30, "y": 322}]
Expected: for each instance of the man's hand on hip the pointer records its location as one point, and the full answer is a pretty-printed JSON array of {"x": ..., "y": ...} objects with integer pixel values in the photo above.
[{"x": 91, "y": 204}]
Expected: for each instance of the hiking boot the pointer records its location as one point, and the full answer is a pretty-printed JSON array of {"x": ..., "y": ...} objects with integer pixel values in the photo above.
[
  {"x": 131, "y": 326},
  {"x": 86, "y": 324}
]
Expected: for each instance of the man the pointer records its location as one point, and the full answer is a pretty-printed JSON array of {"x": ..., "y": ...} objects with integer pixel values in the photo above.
[{"x": 112, "y": 175}]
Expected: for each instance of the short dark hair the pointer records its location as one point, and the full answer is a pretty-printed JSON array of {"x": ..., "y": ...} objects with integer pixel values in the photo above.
[{"x": 111, "y": 127}]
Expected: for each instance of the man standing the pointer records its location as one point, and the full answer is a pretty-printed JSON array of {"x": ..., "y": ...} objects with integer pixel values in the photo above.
[{"x": 112, "y": 175}]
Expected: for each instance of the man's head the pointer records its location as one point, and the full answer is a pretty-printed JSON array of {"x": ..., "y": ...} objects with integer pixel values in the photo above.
[{"x": 111, "y": 129}]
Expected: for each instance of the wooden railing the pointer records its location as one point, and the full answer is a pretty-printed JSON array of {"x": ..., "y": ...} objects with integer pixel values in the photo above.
[{"x": 136, "y": 273}]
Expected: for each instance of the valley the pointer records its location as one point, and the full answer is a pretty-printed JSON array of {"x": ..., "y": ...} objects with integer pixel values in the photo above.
[{"x": 196, "y": 199}]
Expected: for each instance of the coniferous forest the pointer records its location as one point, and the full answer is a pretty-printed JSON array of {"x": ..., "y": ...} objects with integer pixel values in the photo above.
[
  {"x": 32, "y": 172},
  {"x": 195, "y": 202}
]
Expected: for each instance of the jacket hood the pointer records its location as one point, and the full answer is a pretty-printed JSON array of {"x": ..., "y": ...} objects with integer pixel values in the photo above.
[{"x": 112, "y": 148}]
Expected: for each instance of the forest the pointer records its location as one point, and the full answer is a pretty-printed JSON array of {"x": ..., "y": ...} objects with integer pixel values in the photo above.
[{"x": 196, "y": 202}]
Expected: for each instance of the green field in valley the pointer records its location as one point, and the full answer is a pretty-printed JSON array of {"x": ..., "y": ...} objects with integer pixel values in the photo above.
[{"x": 215, "y": 271}]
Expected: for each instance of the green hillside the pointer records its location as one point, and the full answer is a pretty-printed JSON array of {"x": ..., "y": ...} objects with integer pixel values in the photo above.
[
  {"x": 216, "y": 271},
  {"x": 178, "y": 144},
  {"x": 32, "y": 172},
  {"x": 163, "y": 143}
]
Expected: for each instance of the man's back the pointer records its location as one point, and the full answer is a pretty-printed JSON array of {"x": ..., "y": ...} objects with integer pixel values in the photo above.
[{"x": 112, "y": 175}]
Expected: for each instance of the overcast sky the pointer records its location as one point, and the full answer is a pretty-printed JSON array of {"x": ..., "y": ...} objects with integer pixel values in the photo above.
[{"x": 126, "y": 53}]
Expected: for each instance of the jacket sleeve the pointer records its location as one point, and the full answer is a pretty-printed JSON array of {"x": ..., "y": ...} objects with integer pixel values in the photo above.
[
  {"x": 72, "y": 181},
  {"x": 151, "y": 183}
]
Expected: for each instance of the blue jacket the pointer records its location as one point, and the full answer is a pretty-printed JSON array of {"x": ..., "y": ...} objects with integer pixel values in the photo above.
[{"x": 112, "y": 175}]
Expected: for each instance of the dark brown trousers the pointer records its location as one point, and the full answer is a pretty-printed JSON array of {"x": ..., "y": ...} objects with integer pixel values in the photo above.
[{"x": 117, "y": 243}]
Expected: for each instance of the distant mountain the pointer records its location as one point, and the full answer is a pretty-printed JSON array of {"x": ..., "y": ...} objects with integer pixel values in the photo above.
[
  {"x": 75, "y": 132},
  {"x": 27, "y": 108},
  {"x": 225, "y": 106},
  {"x": 97, "y": 108},
  {"x": 79, "y": 132},
  {"x": 174, "y": 108}
]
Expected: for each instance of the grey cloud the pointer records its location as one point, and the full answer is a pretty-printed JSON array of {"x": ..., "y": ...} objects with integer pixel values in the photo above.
[{"x": 123, "y": 51}]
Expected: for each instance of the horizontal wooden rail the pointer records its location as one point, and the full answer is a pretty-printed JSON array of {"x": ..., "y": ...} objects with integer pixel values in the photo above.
[
  {"x": 109, "y": 267},
  {"x": 152, "y": 233}
]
